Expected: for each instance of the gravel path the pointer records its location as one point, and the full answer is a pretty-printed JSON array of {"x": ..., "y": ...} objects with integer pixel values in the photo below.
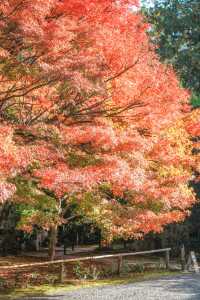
[{"x": 179, "y": 287}]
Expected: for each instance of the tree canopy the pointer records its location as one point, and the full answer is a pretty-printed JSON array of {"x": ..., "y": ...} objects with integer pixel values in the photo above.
[
  {"x": 88, "y": 112},
  {"x": 176, "y": 31}
]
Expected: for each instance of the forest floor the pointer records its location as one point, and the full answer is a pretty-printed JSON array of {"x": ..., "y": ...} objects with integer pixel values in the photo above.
[
  {"x": 39, "y": 279},
  {"x": 178, "y": 287},
  {"x": 40, "y": 256},
  {"x": 74, "y": 286}
]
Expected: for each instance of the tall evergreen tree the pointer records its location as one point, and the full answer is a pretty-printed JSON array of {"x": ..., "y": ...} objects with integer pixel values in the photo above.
[{"x": 176, "y": 31}]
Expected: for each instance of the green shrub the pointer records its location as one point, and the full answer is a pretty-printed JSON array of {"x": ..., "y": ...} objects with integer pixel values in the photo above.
[
  {"x": 51, "y": 279},
  {"x": 135, "y": 268},
  {"x": 84, "y": 272},
  {"x": 2, "y": 282}
]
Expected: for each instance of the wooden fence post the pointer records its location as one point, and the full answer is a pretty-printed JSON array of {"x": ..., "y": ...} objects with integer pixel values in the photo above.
[
  {"x": 113, "y": 266},
  {"x": 167, "y": 259},
  {"x": 62, "y": 272},
  {"x": 194, "y": 261},
  {"x": 189, "y": 262},
  {"x": 119, "y": 265},
  {"x": 183, "y": 262}
]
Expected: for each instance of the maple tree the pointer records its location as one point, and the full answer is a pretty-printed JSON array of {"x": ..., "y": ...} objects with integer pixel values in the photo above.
[
  {"x": 91, "y": 111},
  {"x": 192, "y": 126}
]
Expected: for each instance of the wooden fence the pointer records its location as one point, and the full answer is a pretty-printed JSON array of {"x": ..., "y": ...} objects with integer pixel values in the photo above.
[{"x": 119, "y": 257}]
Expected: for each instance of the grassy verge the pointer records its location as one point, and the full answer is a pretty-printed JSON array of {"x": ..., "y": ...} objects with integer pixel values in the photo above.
[{"x": 45, "y": 290}]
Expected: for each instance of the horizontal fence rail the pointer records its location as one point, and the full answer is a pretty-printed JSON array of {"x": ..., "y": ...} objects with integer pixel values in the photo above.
[{"x": 96, "y": 257}]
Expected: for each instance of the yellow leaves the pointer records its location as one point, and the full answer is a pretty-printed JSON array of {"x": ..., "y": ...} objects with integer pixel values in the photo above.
[
  {"x": 185, "y": 190},
  {"x": 171, "y": 171},
  {"x": 179, "y": 140},
  {"x": 109, "y": 85},
  {"x": 193, "y": 116},
  {"x": 178, "y": 134}
]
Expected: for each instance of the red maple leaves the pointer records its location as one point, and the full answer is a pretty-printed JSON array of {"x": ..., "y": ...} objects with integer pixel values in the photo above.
[{"x": 89, "y": 101}]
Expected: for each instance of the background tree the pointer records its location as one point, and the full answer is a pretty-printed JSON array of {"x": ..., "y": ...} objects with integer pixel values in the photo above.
[
  {"x": 186, "y": 232},
  {"x": 9, "y": 218},
  {"x": 176, "y": 31}
]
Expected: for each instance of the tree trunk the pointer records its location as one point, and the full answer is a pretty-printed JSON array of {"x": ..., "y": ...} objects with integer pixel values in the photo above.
[
  {"x": 125, "y": 244},
  {"x": 52, "y": 242},
  {"x": 99, "y": 239},
  {"x": 37, "y": 242},
  {"x": 77, "y": 239}
]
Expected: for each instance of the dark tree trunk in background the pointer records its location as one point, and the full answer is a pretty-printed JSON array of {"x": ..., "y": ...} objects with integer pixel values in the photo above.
[
  {"x": 99, "y": 238},
  {"x": 52, "y": 242},
  {"x": 8, "y": 234}
]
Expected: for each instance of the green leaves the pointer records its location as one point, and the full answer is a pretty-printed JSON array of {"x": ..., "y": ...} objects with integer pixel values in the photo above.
[
  {"x": 195, "y": 101},
  {"x": 176, "y": 30},
  {"x": 33, "y": 205},
  {"x": 80, "y": 160}
]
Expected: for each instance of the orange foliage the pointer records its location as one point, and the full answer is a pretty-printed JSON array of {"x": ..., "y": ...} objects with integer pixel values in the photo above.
[{"x": 81, "y": 79}]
